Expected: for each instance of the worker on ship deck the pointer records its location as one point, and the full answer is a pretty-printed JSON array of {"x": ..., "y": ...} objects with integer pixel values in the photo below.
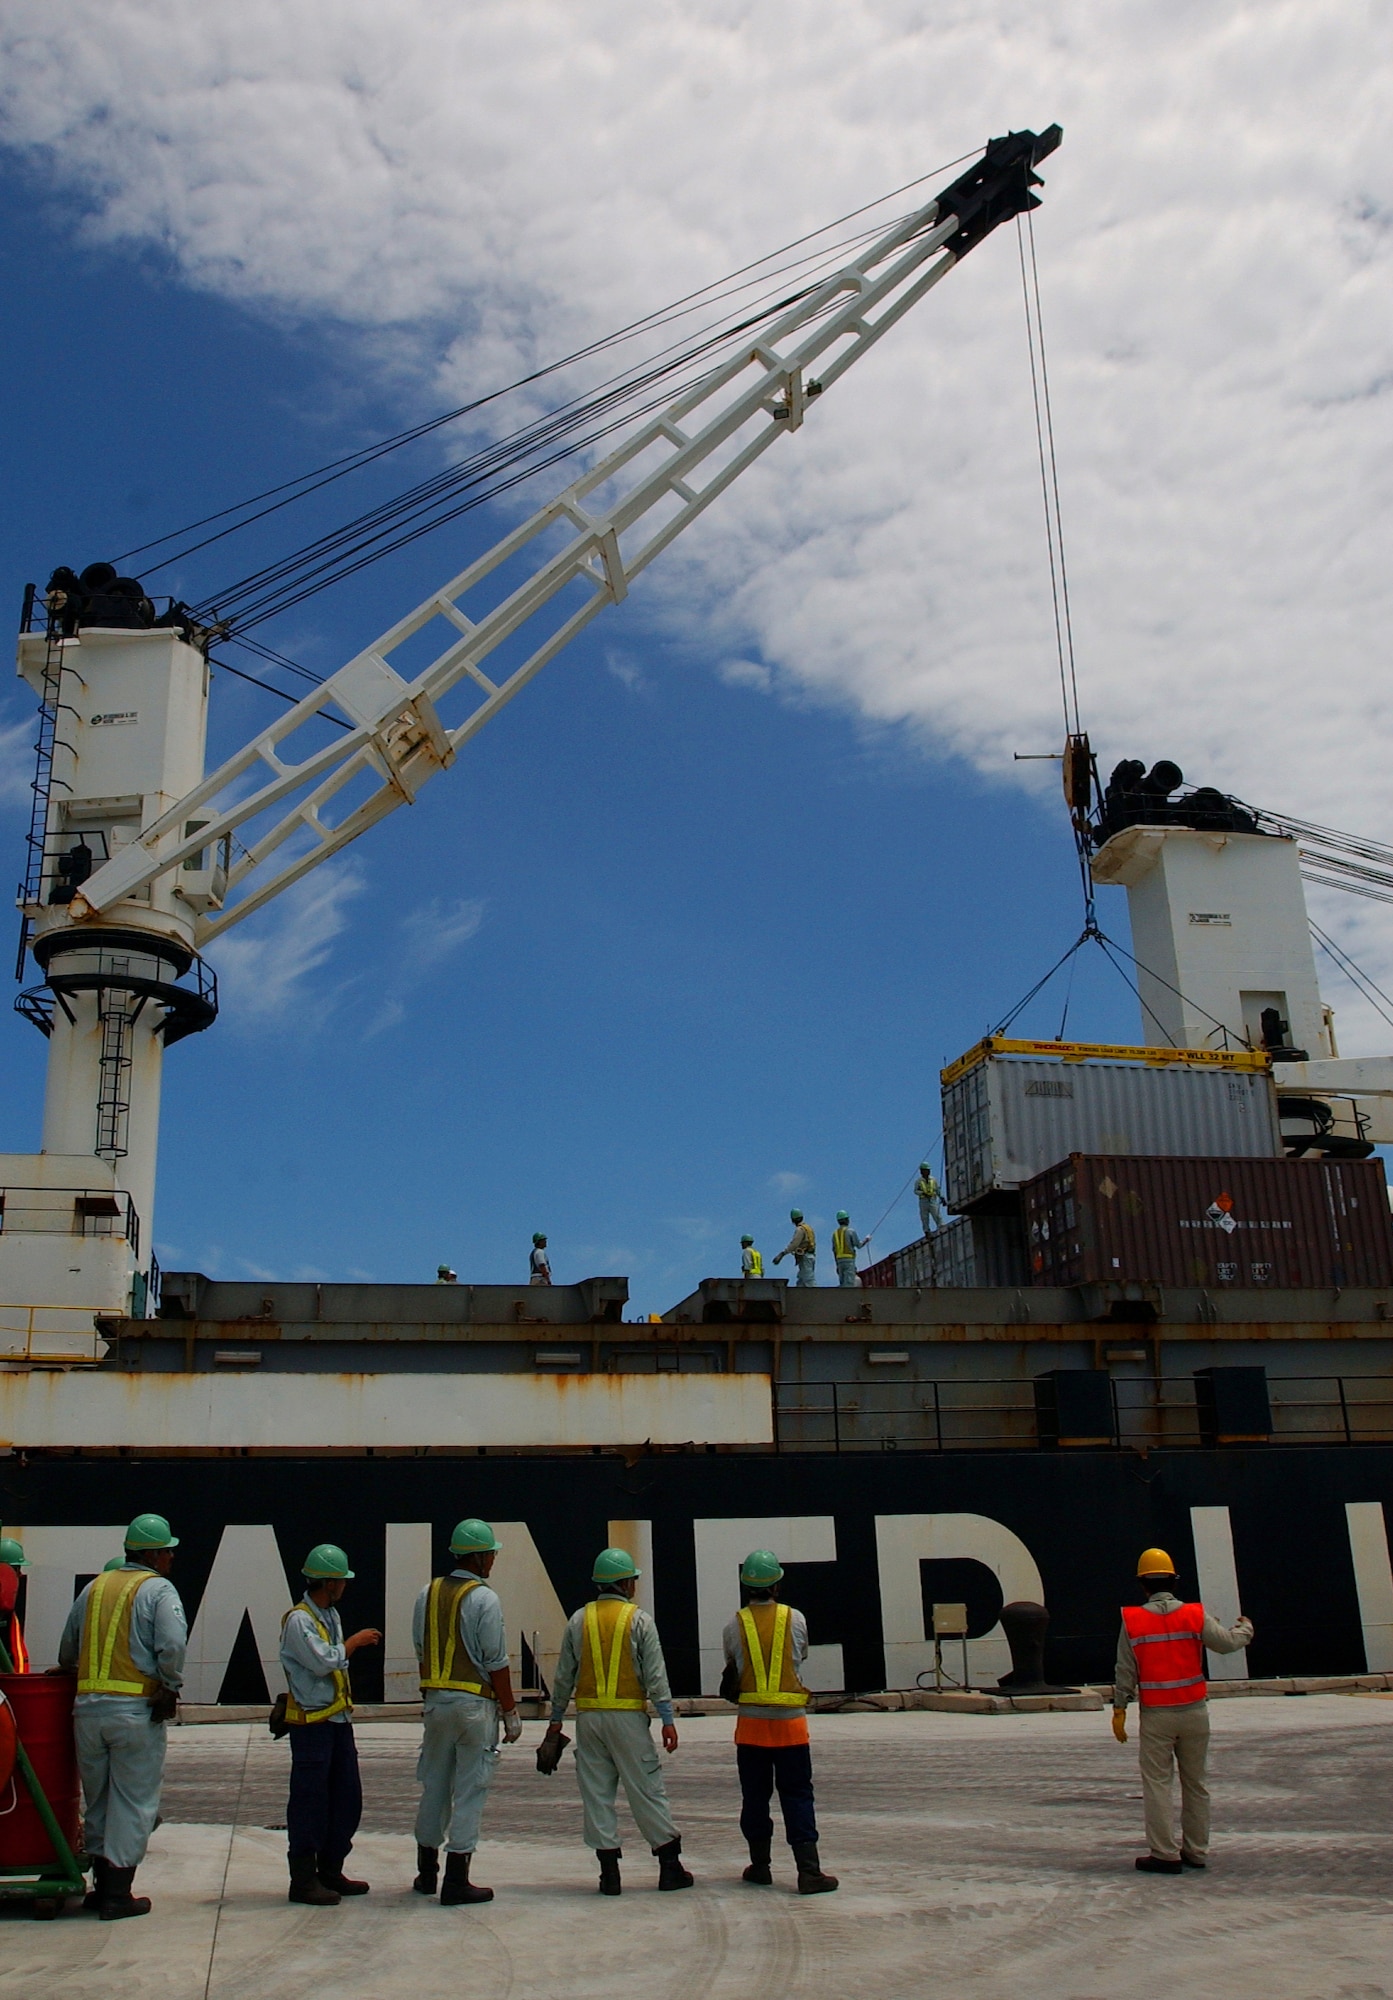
[
  {"x": 1160, "y": 1657},
  {"x": 802, "y": 1248},
  {"x": 612, "y": 1659},
  {"x": 326, "y": 1793},
  {"x": 12, "y": 1561},
  {"x": 539, "y": 1264},
  {"x": 125, "y": 1638},
  {"x": 845, "y": 1244},
  {"x": 751, "y": 1263},
  {"x": 927, "y": 1194},
  {"x": 466, "y": 1685},
  {"x": 765, "y": 1644}
]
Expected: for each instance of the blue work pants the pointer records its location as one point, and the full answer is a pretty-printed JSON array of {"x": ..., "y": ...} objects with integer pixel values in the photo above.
[
  {"x": 846, "y": 1272},
  {"x": 326, "y": 1794},
  {"x": 790, "y": 1768}
]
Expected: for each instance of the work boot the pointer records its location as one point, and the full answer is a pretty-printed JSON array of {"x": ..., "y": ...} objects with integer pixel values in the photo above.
[
  {"x": 427, "y": 1871},
  {"x": 811, "y": 1880},
  {"x": 305, "y": 1885},
  {"x": 457, "y": 1887},
  {"x": 117, "y": 1900},
  {"x": 93, "y": 1899},
  {"x": 759, "y": 1871},
  {"x": 1191, "y": 1860},
  {"x": 608, "y": 1858},
  {"x": 671, "y": 1873},
  {"x": 333, "y": 1877},
  {"x": 1159, "y": 1864}
]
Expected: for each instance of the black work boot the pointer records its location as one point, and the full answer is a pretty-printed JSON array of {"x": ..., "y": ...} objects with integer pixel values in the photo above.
[
  {"x": 305, "y": 1885},
  {"x": 93, "y": 1899},
  {"x": 457, "y": 1887},
  {"x": 1159, "y": 1864},
  {"x": 427, "y": 1871},
  {"x": 671, "y": 1873},
  {"x": 608, "y": 1858},
  {"x": 811, "y": 1880},
  {"x": 332, "y": 1876},
  {"x": 117, "y": 1900},
  {"x": 759, "y": 1871}
]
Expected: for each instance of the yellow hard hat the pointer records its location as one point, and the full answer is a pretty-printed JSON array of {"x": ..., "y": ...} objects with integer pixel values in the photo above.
[{"x": 1155, "y": 1562}]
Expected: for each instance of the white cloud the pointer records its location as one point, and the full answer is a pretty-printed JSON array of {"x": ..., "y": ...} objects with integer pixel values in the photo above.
[
  {"x": 267, "y": 971},
  {"x": 431, "y": 933},
  {"x": 1217, "y": 260},
  {"x": 789, "y": 1183}
]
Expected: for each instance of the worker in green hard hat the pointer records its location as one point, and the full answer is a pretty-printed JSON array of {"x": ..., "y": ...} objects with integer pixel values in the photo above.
[
  {"x": 845, "y": 1244},
  {"x": 540, "y": 1262},
  {"x": 12, "y": 1561},
  {"x": 765, "y": 1644},
  {"x": 466, "y": 1687},
  {"x": 802, "y": 1248},
  {"x": 612, "y": 1660},
  {"x": 326, "y": 1794},
  {"x": 125, "y": 1638},
  {"x": 751, "y": 1263},
  {"x": 927, "y": 1194}
]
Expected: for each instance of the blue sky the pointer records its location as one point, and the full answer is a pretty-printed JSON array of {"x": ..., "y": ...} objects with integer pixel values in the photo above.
[{"x": 690, "y": 929}]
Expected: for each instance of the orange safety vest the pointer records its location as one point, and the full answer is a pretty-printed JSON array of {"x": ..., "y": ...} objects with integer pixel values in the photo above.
[
  {"x": 607, "y": 1678},
  {"x": 105, "y": 1665},
  {"x": 19, "y": 1657},
  {"x": 1170, "y": 1672},
  {"x": 446, "y": 1663},
  {"x": 768, "y": 1678}
]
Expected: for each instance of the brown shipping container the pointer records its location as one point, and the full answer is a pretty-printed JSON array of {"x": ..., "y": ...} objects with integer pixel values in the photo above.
[{"x": 1220, "y": 1222}]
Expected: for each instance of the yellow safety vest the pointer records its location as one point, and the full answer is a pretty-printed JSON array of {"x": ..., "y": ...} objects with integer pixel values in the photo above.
[
  {"x": 607, "y": 1678},
  {"x": 842, "y": 1245},
  {"x": 343, "y": 1700},
  {"x": 444, "y": 1646},
  {"x": 768, "y": 1678},
  {"x": 756, "y": 1269},
  {"x": 106, "y": 1664}
]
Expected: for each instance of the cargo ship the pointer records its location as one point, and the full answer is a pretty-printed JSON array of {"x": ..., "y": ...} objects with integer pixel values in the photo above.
[{"x": 1157, "y": 1312}]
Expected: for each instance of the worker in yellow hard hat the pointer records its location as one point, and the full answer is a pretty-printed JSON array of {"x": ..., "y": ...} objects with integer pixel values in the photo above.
[{"x": 1160, "y": 1659}]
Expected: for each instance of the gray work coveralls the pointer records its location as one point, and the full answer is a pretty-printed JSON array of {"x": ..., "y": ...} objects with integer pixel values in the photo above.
[
  {"x": 1175, "y": 1738},
  {"x": 120, "y": 1746},
  {"x": 801, "y": 1247},
  {"x": 614, "y": 1744},
  {"x": 459, "y": 1746}
]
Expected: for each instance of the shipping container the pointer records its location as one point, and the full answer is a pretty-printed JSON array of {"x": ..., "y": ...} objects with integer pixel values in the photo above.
[
  {"x": 1012, "y": 1109},
  {"x": 970, "y": 1250},
  {"x": 1219, "y": 1222}
]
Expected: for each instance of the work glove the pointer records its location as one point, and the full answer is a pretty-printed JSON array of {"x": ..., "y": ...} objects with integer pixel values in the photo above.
[
  {"x": 1119, "y": 1724},
  {"x": 512, "y": 1725},
  {"x": 164, "y": 1704},
  {"x": 549, "y": 1751}
]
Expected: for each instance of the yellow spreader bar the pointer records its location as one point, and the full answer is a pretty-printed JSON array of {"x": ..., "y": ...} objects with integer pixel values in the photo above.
[{"x": 1077, "y": 1052}]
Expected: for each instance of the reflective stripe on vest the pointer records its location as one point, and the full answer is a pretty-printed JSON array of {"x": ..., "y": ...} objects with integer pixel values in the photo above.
[
  {"x": 107, "y": 1666},
  {"x": 756, "y": 1269},
  {"x": 445, "y": 1644},
  {"x": 343, "y": 1700},
  {"x": 1170, "y": 1672},
  {"x": 770, "y": 1680},
  {"x": 842, "y": 1245},
  {"x": 607, "y": 1678}
]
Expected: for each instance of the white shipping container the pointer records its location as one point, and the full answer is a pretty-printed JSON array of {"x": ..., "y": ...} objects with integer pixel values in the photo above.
[{"x": 1013, "y": 1114}]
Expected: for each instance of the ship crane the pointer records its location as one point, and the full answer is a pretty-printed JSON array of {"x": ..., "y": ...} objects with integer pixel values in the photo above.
[{"x": 138, "y": 859}]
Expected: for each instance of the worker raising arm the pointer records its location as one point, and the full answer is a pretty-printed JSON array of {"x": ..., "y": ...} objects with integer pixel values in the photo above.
[{"x": 802, "y": 1248}]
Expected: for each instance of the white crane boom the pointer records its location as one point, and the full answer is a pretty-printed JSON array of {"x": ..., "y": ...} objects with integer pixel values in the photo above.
[{"x": 621, "y": 514}]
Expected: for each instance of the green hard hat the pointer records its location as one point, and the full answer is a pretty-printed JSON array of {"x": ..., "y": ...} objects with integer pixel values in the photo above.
[
  {"x": 747, "y": 1239},
  {"x": 150, "y": 1531},
  {"x": 795, "y": 1215},
  {"x": 612, "y": 1565},
  {"x": 326, "y": 1559},
  {"x": 474, "y": 1538},
  {"x": 924, "y": 1167},
  {"x": 537, "y": 1236},
  {"x": 12, "y": 1552},
  {"x": 117, "y": 1562},
  {"x": 842, "y": 1215},
  {"x": 761, "y": 1566}
]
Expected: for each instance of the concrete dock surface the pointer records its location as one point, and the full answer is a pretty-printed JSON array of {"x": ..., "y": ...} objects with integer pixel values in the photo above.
[{"x": 984, "y": 1856}]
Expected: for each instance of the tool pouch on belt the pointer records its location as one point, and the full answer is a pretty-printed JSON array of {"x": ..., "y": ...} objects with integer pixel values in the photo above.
[
  {"x": 164, "y": 1704},
  {"x": 276, "y": 1721},
  {"x": 549, "y": 1753}
]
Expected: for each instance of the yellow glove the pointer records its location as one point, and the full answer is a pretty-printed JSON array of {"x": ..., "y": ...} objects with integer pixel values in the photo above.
[{"x": 1119, "y": 1724}]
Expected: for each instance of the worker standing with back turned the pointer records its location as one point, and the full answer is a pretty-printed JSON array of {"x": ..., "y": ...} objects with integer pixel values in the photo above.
[
  {"x": 802, "y": 1248},
  {"x": 613, "y": 1659},
  {"x": 126, "y": 1638},
  {"x": 326, "y": 1793},
  {"x": 765, "y": 1644},
  {"x": 845, "y": 1244},
  {"x": 466, "y": 1684},
  {"x": 1160, "y": 1657},
  {"x": 751, "y": 1263}
]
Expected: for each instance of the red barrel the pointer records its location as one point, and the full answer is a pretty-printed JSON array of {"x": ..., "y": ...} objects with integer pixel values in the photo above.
[{"x": 43, "y": 1709}]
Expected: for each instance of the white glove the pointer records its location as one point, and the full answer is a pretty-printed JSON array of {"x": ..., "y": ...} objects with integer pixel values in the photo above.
[{"x": 512, "y": 1726}]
